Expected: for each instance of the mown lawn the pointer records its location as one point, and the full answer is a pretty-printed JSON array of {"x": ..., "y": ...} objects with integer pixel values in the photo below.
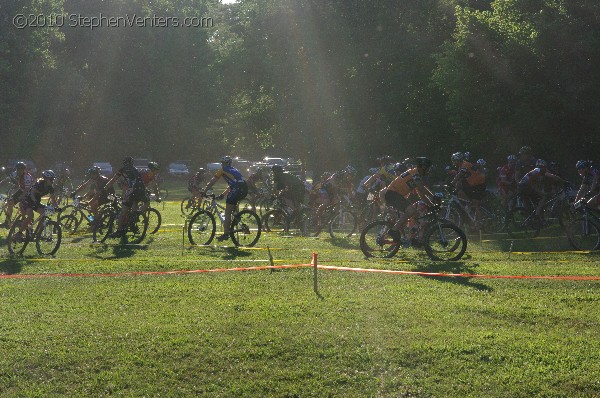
[{"x": 266, "y": 333}]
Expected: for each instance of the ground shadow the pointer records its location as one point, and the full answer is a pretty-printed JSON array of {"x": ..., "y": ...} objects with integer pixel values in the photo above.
[
  {"x": 343, "y": 243},
  {"x": 118, "y": 251},
  {"x": 11, "y": 266},
  {"x": 452, "y": 267}
]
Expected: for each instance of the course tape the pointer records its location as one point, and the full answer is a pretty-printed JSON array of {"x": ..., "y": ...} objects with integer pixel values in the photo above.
[{"x": 322, "y": 267}]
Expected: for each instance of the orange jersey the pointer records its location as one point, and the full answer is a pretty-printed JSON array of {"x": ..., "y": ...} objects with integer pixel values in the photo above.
[
  {"x": 473, "y": 174},
  {"x": 405, "y": 183}
]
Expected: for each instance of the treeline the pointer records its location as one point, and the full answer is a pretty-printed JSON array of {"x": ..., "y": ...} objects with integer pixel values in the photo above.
[{"x": 328, "y": 82}]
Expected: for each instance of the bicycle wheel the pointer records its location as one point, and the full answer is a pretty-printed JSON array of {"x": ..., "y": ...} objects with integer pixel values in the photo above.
[
  {"x": 583, "y": 233},
  {"x": 491, "y": 222},
  {"x": 445, "y": 242},
  {"x": 375, "y": 240},
  {"x": 137, "y": 227},
  {"x": 154, "y": 220},
  {"x": 17, "y": 241},
  {"x": 163, "y": 193},
  {"x": 305, "y": 221},
  {"x": 520, "y": 224},
  {"x": 104, "y": 225},
  {"x": 48, "y": 237},
  {"x": 275, "y": 220},
  {"x": 202, "y": 228},
  {"x": 69, "y": 223},
  {"x": 245, "y": 228},
  {"x": 343, "y": 224},
  {"x": 75, "y": 212},
  {"x": 451, "y": 214},
  {"x": 188, "y": 206}
]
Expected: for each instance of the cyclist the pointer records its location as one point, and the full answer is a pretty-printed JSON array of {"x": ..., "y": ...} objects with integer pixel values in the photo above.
[
  {"x": 236, "y": 191},
  {"x": 469, "y": 181},
  {"x": 318, "y": 194},
  {"x": 397, "y": 192},
  {"x": 98, "y": 191},
  {"x": 361, "y": 192},
  {"x": 134, "y": 193},
  {"x": 32, "y": 200},
  {"x": 525, "y": 163},
  {"x": 590, "y": 184},
  {"x": 195, "y": 182},
  {"x": 532, "y": 185},
  {"x": 63, "y": 185},
  {"x": 289, "y": 187},
  {"x": 149, "y": 176},
  {"x": 22, "y": 181},
  {"x": 507, "y": 186},
  {"x": 253, "y": 180},
  {"x": 385, "y": 174}
]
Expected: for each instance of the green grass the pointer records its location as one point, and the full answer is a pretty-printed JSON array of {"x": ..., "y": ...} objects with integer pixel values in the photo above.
[{"x": 264, "y": 333}]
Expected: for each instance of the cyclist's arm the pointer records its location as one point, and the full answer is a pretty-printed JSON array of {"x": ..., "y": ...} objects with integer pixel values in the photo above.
[
  {"x": 113, "y": 179},
  {"x": 424, "y": 193},
  {"x": 367, "y": 184},
  {"x": 83, "y": 185},
  {"x": 211, "y": 182}
]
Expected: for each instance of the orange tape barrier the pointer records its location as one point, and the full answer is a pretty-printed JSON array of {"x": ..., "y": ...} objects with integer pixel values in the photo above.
[{"x": 312, "y": 264}]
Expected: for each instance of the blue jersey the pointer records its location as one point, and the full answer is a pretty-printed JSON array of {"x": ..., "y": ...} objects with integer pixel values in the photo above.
[{"x": 231, "y": 175}]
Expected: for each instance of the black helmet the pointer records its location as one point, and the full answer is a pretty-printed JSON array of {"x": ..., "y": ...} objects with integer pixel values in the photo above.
[
  {"x": 582, "y": 164},
  {"x": 226, "y": 160},
  {"x": 201, "y": 170},
  {"x": 153, "y": 166},
  {"x": 93, "y": 171},
  {"x": 423, "y": 162},
  {"x": 276, "y": 168},
  {"x": 20, "y": 166},
  {"x": 127, "y": 160}
]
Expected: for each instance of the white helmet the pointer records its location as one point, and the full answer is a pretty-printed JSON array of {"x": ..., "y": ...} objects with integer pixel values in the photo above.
[{"x": 48, "y": 174}]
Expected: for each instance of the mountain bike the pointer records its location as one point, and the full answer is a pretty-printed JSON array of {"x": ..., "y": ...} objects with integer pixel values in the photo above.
[
  {"x": 462, "y": 213},
  {"x": 522, "y": 222},
  {"x": 47, "y": 234},
  {"x": 245, "y": 227},
  {"x": 72, "y": 216},
  {"x": 283, "y": 218},
  {"x": 442, "y": 239},
  {"x": 190, "y": 205},
  {"x": 136, "y": 223},
  {"x": 339, "y": 219},
  {"x": 583, "y": 228}
]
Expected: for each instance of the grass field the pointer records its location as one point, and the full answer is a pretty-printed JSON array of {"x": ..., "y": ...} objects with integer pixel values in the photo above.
[{"x": 262, "y": 333}]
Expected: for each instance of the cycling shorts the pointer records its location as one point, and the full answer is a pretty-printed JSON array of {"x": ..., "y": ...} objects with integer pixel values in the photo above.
[
  {"x": 237, "y": 193},
  {"x": 396, "y": 200},
  {"x": 132, "y": 196}
]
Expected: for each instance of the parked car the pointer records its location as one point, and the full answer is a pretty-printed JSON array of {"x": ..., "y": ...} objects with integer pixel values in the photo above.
[
  {"x": 275, "y": 161},
  {"x": 212, "y": 168},
  {"x": 141, "y": 163},
  {"x": 178, "y": 170},
  {"x": 105, "y": 167}
]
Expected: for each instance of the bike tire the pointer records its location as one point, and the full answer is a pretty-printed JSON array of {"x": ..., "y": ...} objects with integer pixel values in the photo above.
[
  {"x": 583, "y": 233},
  {"x": 75, "y": 212},
  {"x": 16, "y": 247},
  {"x": 519, "y": 224},
  {"x": 105, "y": 225},
  {"x": 245, "y": 228},
  {"x": 136, "y": 227},
  {"x": 163, "y": 193},
  {"x": 202, "y": 228},
  {"x": 48, "y": 238},
  {"x": 154, "y": 220},
  {"x": 376, "y": 242},
  {"x": 188, "y": 206},
  {"x": 444, "y": 241},
  {"x": 305, "y": 221},
  {"x": 69, "y": 223},
  {"x": 343, "y": 224},
  {"x": 275, "y": 220}
]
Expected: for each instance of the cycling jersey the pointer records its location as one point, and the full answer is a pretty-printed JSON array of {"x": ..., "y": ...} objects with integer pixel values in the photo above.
[
  {"x": 295, "y": 186},
  {"x": 195, "y": 181},
  {"x": 23, "y": 182},
  {"x": 506, "y": 178},
  {"x": 405, "y": 183},
  {"x": 387, "y": 173},
  {"x": 231, "y": 175},
  {"x": 148, "y": 176},
  {"x": 534, "y": 179},
  {"x": 39, "y": 189},
  {"x": 472, "y": 173},
  {"x": 132, "y": 177}
]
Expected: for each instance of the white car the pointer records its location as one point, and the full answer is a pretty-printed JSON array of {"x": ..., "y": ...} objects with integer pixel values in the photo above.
[
  {"x": 105, "y": 167},
  {"x": 178, "y": 170}
]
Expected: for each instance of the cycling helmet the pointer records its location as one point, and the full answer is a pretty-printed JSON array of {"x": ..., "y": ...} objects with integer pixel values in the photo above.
[
  {"x": 525, "y": 150},
  {"x": 457, "y": 156},
  {"x": 226, "y": 160},
  {"x": 20, "y": 166},
  {"x": 201, "y": 170},
  {"x": 511, "y": 158},
  {"x": 48, "y": 174},
  {"x": 276, "y": 168},
  {"x": 373, "y": 170},
  {"x": 423, "y": 162},
  {"x": 582, "y": 164},
  {"x": 153, "y": 166},
  {"x": 92, "y": 171},
  {"x": 481, "y": 162},
  {"x": 541, "y": 163},
  {"x": 467, "y": 155},
  {"x": 128, "y": 160},
  {"x": 350, "y": 170}
]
